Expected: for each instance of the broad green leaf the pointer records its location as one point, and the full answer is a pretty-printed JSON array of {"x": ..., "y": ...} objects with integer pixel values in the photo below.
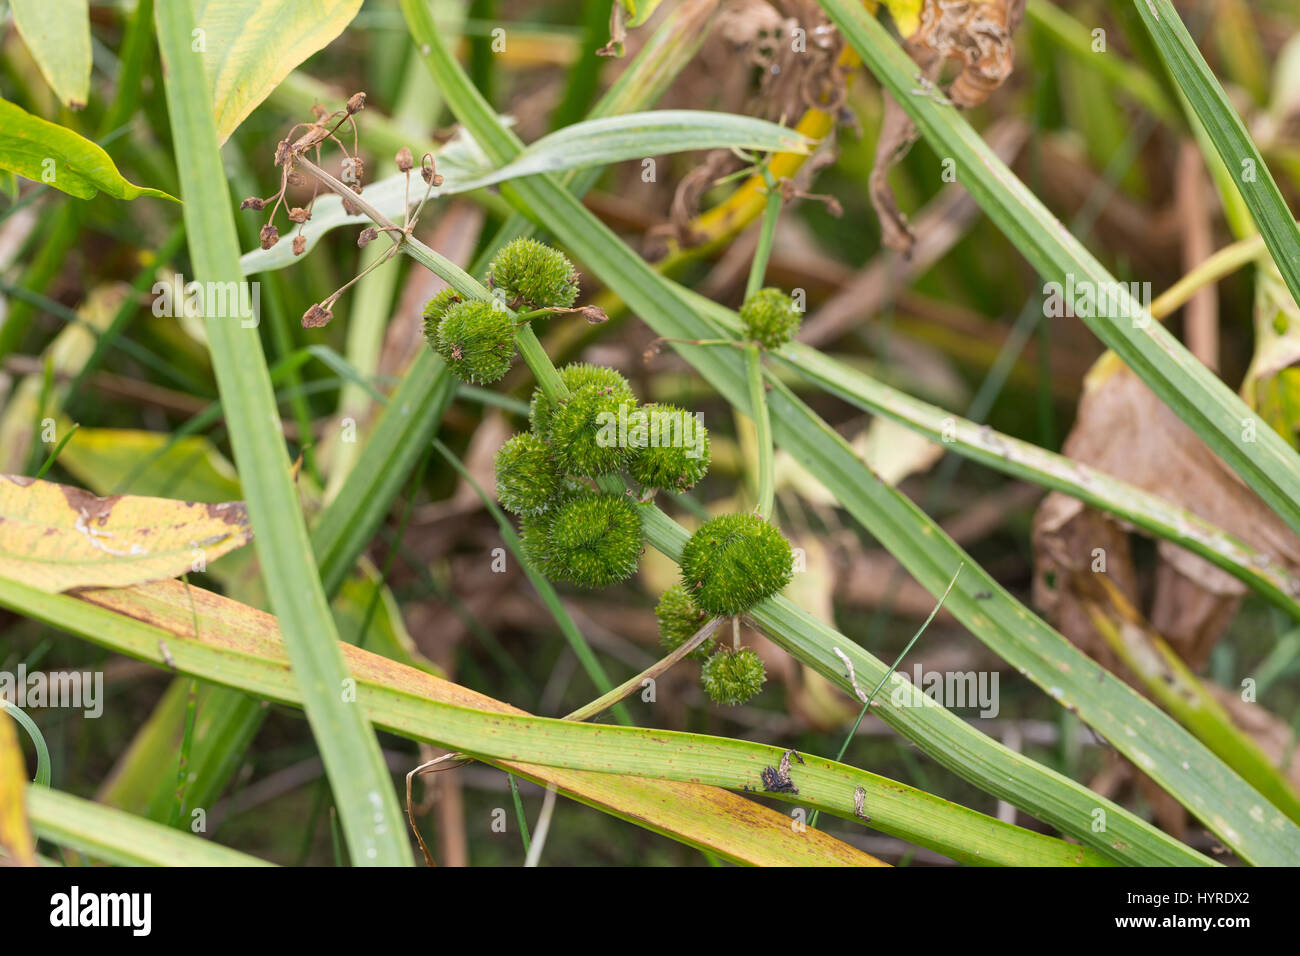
[
  {"x": 583, "y": 145},
  {"x": 58, "y": 537},
  {"x": 57, "y": 34},
  {"x": 241, "y": 647},
  {"x": 367, "y": 804},
  {"x": 45, "y": 152},
  {"x": 103, "y": 833},
  {"x": 249, "y": 46}
]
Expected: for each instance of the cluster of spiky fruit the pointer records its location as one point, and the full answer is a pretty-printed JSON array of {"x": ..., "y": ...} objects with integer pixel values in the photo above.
[
  {"x": 571, "y": 531},
  {"x": 550, "y": 476},
  {"x": 770, "y": 318},
  {"x": 735, "y": 561},
  {"x": 730, "y": 563},
  {"x": 476, "y": 337}
]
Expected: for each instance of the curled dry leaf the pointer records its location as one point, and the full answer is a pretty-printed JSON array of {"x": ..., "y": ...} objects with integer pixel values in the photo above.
[
  {"x": 976, "y": 36},
  {"x": 58, "y": 538}
]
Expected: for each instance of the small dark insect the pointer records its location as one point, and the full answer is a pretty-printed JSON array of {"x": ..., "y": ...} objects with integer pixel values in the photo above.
[
  {"x": 773, "y": 783},
  {"x": 983, "y": 595},
  {"x": 777, "y": 779}
]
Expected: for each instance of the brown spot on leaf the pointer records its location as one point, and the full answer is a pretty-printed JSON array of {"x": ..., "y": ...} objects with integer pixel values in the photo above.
[{"x": 92, "y": 506}]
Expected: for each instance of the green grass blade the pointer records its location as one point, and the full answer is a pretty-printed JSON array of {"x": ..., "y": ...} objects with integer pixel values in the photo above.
[
  {"x": 42, "y": 778},
  {"x": 362, "y": 788},
  {"x": 106, "y": 834},
  {"x": 415, "y": 704},
  {"x": 1022, "y": 459},
  {"x": 1249, "y": 173}
]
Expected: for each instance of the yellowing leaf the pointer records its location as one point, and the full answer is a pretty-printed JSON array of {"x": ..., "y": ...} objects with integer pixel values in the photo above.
[
  {"x": 57, "y": 34},
  {"x": 249, "y": 46},
  {"x": 709, "y": 817},
  {"x": 15, "y": 836},
  {"x": 57, "y": 537},
  {"x": 906, "y": 14}
]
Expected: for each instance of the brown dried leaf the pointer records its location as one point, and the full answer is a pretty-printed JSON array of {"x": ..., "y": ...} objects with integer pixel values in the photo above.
[
  {"x": 976, "y": 35},
  {"x": 1124, "y": 430}
]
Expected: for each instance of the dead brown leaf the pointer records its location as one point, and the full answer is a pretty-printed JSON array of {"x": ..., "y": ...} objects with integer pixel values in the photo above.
[
  {"x": 1124, "y": 430},
  {"x": 976, "y": 36}
]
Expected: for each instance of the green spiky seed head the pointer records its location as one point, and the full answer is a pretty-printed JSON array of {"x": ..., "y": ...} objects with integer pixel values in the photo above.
[
  {"x": 436, "y": 308},
  {"x": 477, "y": 341},
  {"x": 679, "y": 619},
  {"x": 531, "y": 274},
  {"x": 528, "y": 482},
  {"x": 590, "y": 539},
  {"x": 770, "y": 318},
  {"x": 575, "y": 376},
  {"x": 733, "y": 677},
  {"x": 734, "y": 561},
  {"x": 583, "y": 432},
  {"x": 675, "y": 450}
]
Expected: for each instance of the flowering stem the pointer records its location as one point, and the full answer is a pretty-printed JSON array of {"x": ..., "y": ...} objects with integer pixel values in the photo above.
[
  {"x": 539, "y": 363},
  {"x": 605, "y": 701},
  {"x": 763, "y": 251}
]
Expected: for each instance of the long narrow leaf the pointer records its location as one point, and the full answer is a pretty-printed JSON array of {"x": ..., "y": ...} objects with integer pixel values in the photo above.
[
  {"x": 239, "y": 645},
  {"x": 363, "y": 791},
  {"x": 107, "y": 834},
  {"x": 1240, "y": 156},
  {"x": 1257, "y": 453}
]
